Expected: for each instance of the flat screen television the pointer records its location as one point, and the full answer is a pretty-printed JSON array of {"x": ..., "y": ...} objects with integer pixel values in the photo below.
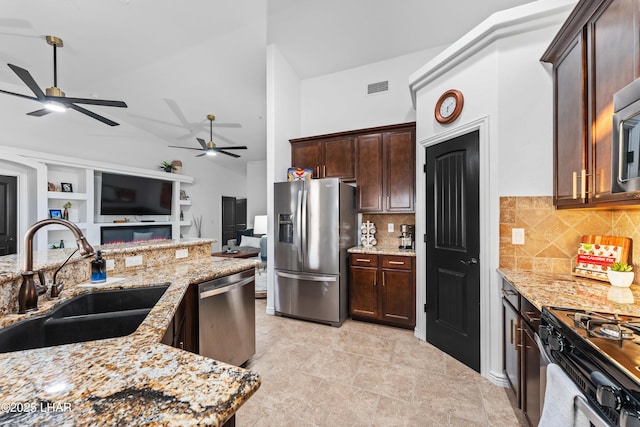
[{"x": 134, "y": 195}]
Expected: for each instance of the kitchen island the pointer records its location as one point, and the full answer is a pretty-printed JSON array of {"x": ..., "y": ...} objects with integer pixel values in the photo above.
[{"x": 132, "y": 380}]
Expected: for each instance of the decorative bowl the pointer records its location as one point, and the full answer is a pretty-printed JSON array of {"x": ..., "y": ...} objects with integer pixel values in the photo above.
[{"x": 621, "y": 279}]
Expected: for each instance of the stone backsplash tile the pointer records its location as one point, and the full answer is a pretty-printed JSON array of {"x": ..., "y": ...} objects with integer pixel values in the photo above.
[
  {"x": 384, "y": 237},
  {"x": 552, "y": 236}
]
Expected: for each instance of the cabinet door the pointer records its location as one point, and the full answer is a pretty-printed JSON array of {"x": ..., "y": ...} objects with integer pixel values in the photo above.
[
  {"x": 363, "y": 287},
  {"x": 570, "y": 141},
  {"x": 339, "y": 158},
  {"x": 399, "y": 171},
  {"x": 612, "y": 34},
  {"x": 369, "y": 173},
  {"x": 397, "y": 299},
  {"x": 307, "y": 155},
  {"x": 531, "y": 401},
  {"x": 510, "y": 349}
]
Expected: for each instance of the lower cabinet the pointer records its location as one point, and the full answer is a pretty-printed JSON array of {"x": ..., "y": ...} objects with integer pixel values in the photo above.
[
  {"x": 182, "y": 332},
  {"x": 382, "y": 289},
  {"x": 521, "y": 356}
]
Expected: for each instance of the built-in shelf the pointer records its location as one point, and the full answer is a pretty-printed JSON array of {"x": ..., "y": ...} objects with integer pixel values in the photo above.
[
  {"x": 185, "y": 202},
  {"x": 66, "y": 196},
  {"x": 185, "y": 223},
  {"x": 56, "y": 227},
  {"x": 131, "y": 223}
]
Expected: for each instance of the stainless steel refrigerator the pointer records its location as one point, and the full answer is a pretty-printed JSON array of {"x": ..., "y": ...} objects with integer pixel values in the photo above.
[{"x": 315, "y": 224}]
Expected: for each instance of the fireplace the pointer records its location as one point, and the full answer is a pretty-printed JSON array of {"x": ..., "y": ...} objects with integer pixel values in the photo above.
[{"x": 134, "y": 233}]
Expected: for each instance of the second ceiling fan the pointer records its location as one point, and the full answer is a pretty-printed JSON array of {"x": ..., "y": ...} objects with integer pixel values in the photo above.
[{"x": 210, "y": 148}]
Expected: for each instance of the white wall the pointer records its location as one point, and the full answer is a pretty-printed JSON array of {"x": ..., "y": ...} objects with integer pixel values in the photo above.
[
  {"x": 283, "y": 123},
  {"x": 339, "y": 101},
  {"x": 508, "y": 97},
  {"x": 257, "y": 185}
]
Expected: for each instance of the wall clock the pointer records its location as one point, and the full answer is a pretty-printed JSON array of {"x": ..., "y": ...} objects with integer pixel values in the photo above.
[{"x": 449, "y": 106}]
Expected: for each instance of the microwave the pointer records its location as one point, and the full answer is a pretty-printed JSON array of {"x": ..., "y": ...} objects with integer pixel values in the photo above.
[{"x": 625, "y": 159}]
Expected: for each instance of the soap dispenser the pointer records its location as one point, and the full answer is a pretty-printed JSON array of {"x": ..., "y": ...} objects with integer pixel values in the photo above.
[{"x": 98, "y": 269}]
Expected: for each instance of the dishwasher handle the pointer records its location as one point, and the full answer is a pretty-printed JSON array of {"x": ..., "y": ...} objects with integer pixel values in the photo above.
[{"x": 217, "y": 290}]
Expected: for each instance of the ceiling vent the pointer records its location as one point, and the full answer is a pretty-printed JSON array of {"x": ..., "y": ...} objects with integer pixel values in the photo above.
[{"x": 377, "y": 87}]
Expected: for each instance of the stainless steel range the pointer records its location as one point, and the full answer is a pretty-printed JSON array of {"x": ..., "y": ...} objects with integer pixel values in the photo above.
[{"x": 600, "y": 352}]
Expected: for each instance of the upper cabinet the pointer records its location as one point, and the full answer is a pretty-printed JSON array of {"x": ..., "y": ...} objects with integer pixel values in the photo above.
[
  {"x": 594, "y": 55},
  {"x": 326, "y": 157},
  {"x": 382, "y": 161}
]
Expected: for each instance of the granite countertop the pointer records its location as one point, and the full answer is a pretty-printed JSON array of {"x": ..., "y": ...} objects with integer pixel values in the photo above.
[
  {"x": 566, "y": 290},
  {"x": 382, "y": 250},
  {"x": 132, "y": 380}
]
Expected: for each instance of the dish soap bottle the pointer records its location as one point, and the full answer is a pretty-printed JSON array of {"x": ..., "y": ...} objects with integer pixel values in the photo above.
[{"x": 98, "y": 269}]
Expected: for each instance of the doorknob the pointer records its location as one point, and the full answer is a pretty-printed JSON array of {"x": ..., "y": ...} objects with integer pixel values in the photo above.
[{"x": 469, "y": 262}]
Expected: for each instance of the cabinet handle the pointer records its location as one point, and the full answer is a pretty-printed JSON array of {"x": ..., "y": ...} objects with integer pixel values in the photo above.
[
  {"x": 511, "y": 330},
  {"x": 575, "y": 185},
  {"x": 388, "y": 202},
  {"x": 380, "y": 201},
  {"x": 324, "y": 171},
  {"x": 363, "y": 260},
  {"x": 531, "y": 319},
  {"x": 509, "y": 292},
  {"x": 396, "y": 262},
  {"x": 583, "y": 184}
]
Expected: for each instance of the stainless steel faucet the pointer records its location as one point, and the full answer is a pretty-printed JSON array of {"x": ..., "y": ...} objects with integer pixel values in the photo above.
[{"x": 29, "y": 291}]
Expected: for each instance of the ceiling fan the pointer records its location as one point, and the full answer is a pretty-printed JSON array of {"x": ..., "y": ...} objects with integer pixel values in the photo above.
[
  {"x": 53, "y": 99},
  {"x": 210, "y": 148}
]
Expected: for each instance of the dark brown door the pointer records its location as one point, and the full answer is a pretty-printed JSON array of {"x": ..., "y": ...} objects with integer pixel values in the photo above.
[
  {"x": 453, "y": 246},
  {"x": 398, "y": 304},
  {"x": 531, "y": 377},
  {"x": 228, "y": 219},
  {"x": 369, "y": 173},
  {"x": 399, "y": 171},
  {"x": 8, "y": 215},
  {"x": 363, "y": 287}
]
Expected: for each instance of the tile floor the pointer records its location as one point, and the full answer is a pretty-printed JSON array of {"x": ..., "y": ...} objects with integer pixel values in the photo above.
[{"x": 363, "y": 374}]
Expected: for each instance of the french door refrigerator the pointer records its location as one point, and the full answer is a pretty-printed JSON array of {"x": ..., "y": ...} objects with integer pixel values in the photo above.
[{"x": 315, "y": 224}]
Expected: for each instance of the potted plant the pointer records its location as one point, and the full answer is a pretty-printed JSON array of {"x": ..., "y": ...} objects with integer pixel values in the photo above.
[
  {"x": 620, "y": 274},
  {"x": 167, "y": 166},
  {"x": 65, "y": 213}
]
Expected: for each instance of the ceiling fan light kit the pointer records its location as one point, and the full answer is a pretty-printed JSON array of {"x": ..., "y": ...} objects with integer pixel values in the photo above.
[
  {"x": 53, "y": 99},
  {"x": 210, "y": 148}
]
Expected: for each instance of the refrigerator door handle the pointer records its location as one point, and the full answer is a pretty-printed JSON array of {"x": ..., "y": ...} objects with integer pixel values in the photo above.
[
  {"x": 299, "y": 220},
  {"x": 304, "y": 220},
  {"x": 307, "y": 277}
]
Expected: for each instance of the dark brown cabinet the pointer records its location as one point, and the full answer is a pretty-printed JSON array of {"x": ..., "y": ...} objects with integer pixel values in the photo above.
[
  {"x": 382, "y": 161},
  {"x": 591, "y": 62},
  {"x": 385, "y": 171},
  {"x": 521, "y": 356},
  {"x": 382, "y": 289},
  {"x": 326, "y": 157},
  {"x": 182, "y": 332}
]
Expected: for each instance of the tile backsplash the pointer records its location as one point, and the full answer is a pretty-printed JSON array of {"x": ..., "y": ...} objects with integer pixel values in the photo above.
[
  {"x": 552, "y": 236},
  {"x": 384, "y": 237}
]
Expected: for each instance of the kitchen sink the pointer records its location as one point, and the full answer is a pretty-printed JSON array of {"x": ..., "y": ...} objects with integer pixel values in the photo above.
[{"x": 87, "y": 317}]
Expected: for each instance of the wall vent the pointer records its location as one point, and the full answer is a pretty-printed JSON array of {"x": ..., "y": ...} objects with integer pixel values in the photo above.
[{"x": 377, "y": 87}]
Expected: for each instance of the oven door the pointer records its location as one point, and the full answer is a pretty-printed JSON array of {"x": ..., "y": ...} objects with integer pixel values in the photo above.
[{"x": 580, "y": 402}]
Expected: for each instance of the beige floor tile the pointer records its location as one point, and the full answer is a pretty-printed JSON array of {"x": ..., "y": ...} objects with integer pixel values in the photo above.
[{"x": 363, "y": 374}]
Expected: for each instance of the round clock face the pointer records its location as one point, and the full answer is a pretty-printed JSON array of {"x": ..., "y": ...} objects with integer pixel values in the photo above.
[{"x": 449, "y": 106}]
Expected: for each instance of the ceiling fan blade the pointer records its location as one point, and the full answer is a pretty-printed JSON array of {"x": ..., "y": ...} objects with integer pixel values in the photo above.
[
  {"x": 25, "y": 76},
  {"x": 93, "y": 115},
  {"x": 228, "y": 154},
  {"x": 204, "y": 144},
  {"x": 186, "y": 148},
  {"x": 239, "y": 147},
  {"x": 200, "y": 155},
  {"x": 105, "y": 102},
  {"x": 39, "y": 113},
  {"x": 19, "y": 94}
]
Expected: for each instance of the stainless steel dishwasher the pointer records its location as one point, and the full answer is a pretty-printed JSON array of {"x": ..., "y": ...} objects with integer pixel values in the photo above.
[{"x": 227, "y": 318}]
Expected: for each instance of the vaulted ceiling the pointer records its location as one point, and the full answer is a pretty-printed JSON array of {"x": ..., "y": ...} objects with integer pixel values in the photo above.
[{"x": 175, "y": 62}]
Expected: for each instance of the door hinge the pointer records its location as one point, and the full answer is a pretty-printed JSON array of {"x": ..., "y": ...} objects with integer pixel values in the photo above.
[
  {"x": 425, "y": 307},
  {"x": 424, "y": 168},
  {"x": 425, "y": 238}
]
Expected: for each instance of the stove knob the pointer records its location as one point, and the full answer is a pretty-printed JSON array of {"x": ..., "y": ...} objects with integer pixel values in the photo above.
[
  {"x": 608, "y": 396},
  {"x": 544, "y": 332},
  {"x": 556, "y": 343},
  {"x": 629, "y": 418}
]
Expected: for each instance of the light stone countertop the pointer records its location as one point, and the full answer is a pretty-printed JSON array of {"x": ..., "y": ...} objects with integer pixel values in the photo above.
[
  {"x": 382, "y": 250},
  {"x": 566, "y": 290},
  {"x": 132, "y": 380}
]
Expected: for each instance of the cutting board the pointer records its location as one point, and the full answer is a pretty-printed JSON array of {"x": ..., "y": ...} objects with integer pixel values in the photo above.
[{"x": 623, "y": 242}]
